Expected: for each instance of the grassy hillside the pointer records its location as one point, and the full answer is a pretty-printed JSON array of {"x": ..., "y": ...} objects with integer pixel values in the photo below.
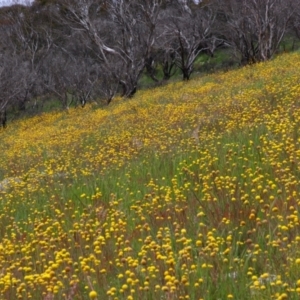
[{"x": 190, "y": 191}]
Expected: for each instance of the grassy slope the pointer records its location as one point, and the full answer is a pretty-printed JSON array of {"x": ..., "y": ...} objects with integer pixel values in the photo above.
[{"x": 188, "y": 191}]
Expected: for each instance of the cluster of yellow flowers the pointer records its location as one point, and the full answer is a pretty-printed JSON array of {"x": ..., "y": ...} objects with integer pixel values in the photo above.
[{"x": 182, "y": 189}]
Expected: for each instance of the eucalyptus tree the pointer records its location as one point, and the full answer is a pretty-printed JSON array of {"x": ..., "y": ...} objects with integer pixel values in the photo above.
[
  {"x": 186, "y": 31},
  {"x": 121, "y": 33},
  {"x": 28, "y": 40},
  {"x": 11, "y": 84},
  {"x": 255, "y": 28}
]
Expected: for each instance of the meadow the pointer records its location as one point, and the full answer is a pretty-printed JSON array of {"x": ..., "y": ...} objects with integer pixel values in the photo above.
[{"x": 187, "y": 191}]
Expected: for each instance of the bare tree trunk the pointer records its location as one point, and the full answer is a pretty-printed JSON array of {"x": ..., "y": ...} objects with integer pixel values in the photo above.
[
  {"x": 188, "y": 32},
  {"x": 3, "y": 118},
  {"x": 255, "y": 28}
]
